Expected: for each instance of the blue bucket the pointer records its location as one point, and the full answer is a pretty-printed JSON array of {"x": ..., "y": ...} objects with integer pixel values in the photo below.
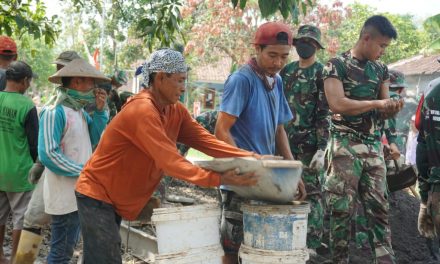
[{"x": 275, "y": 227}]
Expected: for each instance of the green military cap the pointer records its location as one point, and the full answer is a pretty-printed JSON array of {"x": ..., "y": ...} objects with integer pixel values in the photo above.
[
  {"x": 397, "y": 80},
  {"x": 107, "y": 86},
  {"x": 120, "y": 77},
  {"x": 65, "y": 57},
  {"x": 309, "y": 31}
]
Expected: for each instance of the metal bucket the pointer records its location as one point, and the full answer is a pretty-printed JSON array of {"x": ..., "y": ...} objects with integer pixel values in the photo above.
[{"x": 278, "y": 179}]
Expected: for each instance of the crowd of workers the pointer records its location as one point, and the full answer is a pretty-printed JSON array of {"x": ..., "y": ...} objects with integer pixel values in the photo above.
[{"x": 89, "y": 159}]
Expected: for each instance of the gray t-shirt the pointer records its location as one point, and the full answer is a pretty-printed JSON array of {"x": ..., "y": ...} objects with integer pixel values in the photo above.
[{"x": 2, "y": 79}]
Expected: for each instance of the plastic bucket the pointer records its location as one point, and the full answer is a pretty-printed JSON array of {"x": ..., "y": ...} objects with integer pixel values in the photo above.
[
  {"x": 277, "y": 181},
  {"x": 251, "y": 255},
  {"x": 275, "y": 227},
  {"x": 205, "y": 255},
  {"x": 182, "y": 229}
]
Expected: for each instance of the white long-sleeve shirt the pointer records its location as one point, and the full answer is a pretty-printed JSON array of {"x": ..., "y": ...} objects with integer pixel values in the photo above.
[{"x": 411, "y": 145}]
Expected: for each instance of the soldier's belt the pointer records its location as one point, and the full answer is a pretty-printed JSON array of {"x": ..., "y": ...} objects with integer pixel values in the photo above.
[{"x": 356, "y": 137}]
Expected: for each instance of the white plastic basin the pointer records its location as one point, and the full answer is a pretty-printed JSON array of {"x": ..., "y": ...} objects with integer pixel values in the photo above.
[{"x": 278, "y": 179}]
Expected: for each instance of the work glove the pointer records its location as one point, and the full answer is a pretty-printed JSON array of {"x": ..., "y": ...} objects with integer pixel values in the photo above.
[
  {"x": 425, "y": 223},
  {"x": 433, "y": 205},
  {"x": 35, "y": 172},
  {"x": 317, "y": 162}
]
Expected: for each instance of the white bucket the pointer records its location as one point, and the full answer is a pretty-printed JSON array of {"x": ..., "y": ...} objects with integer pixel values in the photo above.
[
  {"x": 205, "y": 255},
  {"x": 182, "y": 229},
  {"x": 251, "y": 255}
]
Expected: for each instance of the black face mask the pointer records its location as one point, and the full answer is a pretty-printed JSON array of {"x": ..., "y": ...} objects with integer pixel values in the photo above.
[{"x": 304, "y": 49}]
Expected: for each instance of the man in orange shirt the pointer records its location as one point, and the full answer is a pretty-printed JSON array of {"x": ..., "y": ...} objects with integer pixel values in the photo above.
[{"x": 137, "y": 148}]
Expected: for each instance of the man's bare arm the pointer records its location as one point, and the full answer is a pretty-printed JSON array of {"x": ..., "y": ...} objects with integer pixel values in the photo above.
[
  {"x": 223, "y": 127},
  {"x": 340, "y": 104},
  {"x": 282, "y": 143}
]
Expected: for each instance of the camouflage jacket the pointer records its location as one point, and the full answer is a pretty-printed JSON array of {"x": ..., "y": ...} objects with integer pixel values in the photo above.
[
  {"x": 116, "y": 100},
  {"x": 428, "y": 147},
  {"x": 304, "y": 91},
  {"x": 396, "y": 129},
  {"x": 207, "y": 120},
  {"x": 114, "y": 103},
  {"x": 361, "y": 80},
  {"x": 389, "y": 126}
]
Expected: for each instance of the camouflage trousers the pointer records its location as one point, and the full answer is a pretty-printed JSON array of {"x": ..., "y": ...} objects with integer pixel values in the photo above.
[
  {"x": 357, "y": 171},
  {"x": 313, "y": 181}
]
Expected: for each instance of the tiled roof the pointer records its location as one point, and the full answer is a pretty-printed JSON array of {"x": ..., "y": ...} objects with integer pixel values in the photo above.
[
  {"x": 418, "y": 65},
  {"x": 214, "y": 72}
]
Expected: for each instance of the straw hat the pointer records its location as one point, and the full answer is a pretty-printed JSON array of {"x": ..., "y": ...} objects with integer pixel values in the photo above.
[{"x": 78, "y": 68}]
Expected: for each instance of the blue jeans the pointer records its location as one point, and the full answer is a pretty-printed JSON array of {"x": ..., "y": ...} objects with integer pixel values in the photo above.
[
  {"x": 100, "y": 231},
  {"x": 64, "y": 236}
]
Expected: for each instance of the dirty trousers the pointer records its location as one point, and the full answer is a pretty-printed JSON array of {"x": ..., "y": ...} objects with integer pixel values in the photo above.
[
  {"x": 357, "y": 169},
  {"x": 100, "y": 231}
]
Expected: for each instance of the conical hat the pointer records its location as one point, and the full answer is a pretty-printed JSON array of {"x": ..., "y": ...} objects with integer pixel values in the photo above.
[{"x": 78, "y": 68}]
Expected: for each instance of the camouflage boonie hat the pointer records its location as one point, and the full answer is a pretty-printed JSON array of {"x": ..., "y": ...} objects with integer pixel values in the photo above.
[
  {"x": 107, "y": 86},
  {"x": 120, "y": 77},
  {"x": 397, "y": 80},
  {"x": 309, "y": 31},
  {"x": 65, "y": 57}
]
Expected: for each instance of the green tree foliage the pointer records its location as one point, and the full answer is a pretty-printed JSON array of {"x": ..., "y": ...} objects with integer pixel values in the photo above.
[
  {"x": 292, "y": 8},
  {"x": 156, "y": 22},
  {"x": 26, "y": 21},
  {"x": 39, "y": 56},
  {"x": 410, "y": 41},
  {"x": 432, "y": 25},
  {"x": 20, "y": 17},
  {"x": 160, "y": 22}
]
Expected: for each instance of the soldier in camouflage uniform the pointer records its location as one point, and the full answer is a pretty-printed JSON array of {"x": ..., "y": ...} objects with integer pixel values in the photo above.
[
  {"x": 117, "y": 98},
  {"x": 308, "y": 131},
  {"x": 356, "y": 88},
  {"x": 428, "y": 160},
  {"x": 394, "y": 139},
  {"x": 397, "y": 86}
]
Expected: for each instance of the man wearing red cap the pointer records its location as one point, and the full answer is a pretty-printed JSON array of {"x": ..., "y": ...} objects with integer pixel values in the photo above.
[
  {"x": 8, "y": 54},
  {"x": 252, "y": 117}
]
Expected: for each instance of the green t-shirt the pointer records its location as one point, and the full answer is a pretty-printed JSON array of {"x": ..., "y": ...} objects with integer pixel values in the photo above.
[
  {"x": 15, "y": 157},
  {"x": 304, "y": 90},
  {"x": 361, "y": 81}
]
